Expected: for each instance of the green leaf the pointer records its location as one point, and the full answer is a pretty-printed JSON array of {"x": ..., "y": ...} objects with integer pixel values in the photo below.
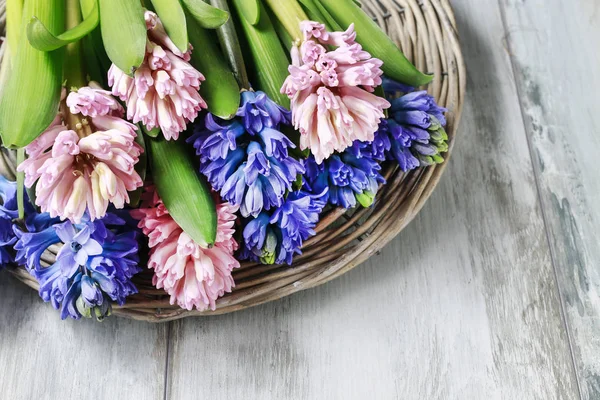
[
  {"x": 380, "y": 91},
  {"x": 185, "y": 194},
  {"x": 123, "y": 33},
  {"x": 207, "y": 16},
  {"x": 172, "y": 16},
  {"x": 42, "y": 39},
  {"x": 269, "y": 58},
  {"x": 329, "y": 20},
  {"x": 95, "y": 58},
  {"x": 220, "y": 90},
  {"x": 290, "y": 14},
  {"x": 395, "y": 65},
  {"x": 150, "y": 133},
  {"x": 230, "y": 46},
  {"x": 30, "y": 99},
  {"x": 250, "y": 11}
]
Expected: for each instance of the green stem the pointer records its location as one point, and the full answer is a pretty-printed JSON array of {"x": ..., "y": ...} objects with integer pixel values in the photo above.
[
  {"x": 290, "y": 13},
  {"x": 21, "y": 184},
  {"x": 269, "y": 58},
  {"x": 74, "y": 71},
  {"x": 231, "y": 46}
]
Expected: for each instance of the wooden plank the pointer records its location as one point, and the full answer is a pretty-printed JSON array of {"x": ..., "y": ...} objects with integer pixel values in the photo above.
[
  {"x": 43, "y": 357},
  {"x": 462, "y": 305},
  {"x": 555, "y": 47}
]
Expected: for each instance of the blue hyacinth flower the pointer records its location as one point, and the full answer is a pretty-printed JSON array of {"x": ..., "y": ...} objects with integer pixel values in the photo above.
[
  {"x": 274, "y": 238},
  {"x": 247, "y": 159},
  {"x": 415, "y": 130},
  {"x": 93, "y": 268},
  {"x": 351, "y": 177}
]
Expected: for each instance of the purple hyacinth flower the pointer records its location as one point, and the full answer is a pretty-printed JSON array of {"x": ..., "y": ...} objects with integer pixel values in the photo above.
[
  {"x": 78, "y": 248},
  {"x": 95, "y": 264},
  {"x": 276, "y": 238},
  {"x": 90, "y": 292},
  {"x": 258, "y": 111},
  {"x": 7, "y": 240},
  {"x": 257, "y": 163},
  {"x": 349, "y": 176},
  {"x": 276, "y": 143},
  {"x": 415, "y": 134},
  {"x": 215, "y": 140},
  {"x": 247, "y": 159},
  {"x": 8, "y": 196}
]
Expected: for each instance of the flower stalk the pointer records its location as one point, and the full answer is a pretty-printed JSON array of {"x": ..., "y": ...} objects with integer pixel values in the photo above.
[
  {"x": 73, "y": 67},
  {"x": 269, "y": 57},
  {"x": 231, "y": 46},
  {"x": 290, "y": 14}
]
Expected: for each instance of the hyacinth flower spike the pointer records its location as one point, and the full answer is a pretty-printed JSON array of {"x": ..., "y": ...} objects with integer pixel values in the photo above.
[
  {"x": 93, "y": 267},
  {"x": 85, "y": 160},
  {"x": 163, "y": 92},
  {"x": 414, "y": 135},
  {"x": 247, "y": 159},
  {"x": 331, "y": 90},
  {"x": 274, "y": 237},
  {"x": 193, "y": 275}
]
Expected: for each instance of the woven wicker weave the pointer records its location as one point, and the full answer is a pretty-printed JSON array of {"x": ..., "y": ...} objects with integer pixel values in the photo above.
[{"x": 426, "y": 32}]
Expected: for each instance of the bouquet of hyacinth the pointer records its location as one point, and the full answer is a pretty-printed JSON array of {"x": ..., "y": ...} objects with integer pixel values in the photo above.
[{"x": 193, "y": 136}]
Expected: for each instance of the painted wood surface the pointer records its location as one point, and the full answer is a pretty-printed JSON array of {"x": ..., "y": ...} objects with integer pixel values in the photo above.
[
  {"x": 476, "y": 316},
  {"x": 555, "y": 50},
  {"x": 45, "y": 358},
  {"x": 464, "y": 304}
]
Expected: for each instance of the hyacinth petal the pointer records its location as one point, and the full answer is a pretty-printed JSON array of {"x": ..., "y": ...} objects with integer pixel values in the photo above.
[
  {"x": 164, "y": 89},
  {"x": 74, "y": 175},
  {"x": 192, "y": 275},
  {"x": 75, "y": 278},
  {"x": 330, "y": 91}
]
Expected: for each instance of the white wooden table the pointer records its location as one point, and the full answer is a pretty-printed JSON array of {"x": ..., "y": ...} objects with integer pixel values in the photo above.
[{"x": 491, "y": 293}]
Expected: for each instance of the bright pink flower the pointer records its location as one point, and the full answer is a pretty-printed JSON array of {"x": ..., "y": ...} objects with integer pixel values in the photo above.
[
  {"x": 332, "y": 104},
  {"x": 86, "y": 168},
  {"x": 192, "y": 275},
  {"x": 164, "y": 89},
  {"x": 93, "y": 101}
]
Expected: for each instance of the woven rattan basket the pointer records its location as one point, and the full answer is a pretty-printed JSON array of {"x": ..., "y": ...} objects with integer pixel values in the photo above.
[{"x": 426, "y": 33}]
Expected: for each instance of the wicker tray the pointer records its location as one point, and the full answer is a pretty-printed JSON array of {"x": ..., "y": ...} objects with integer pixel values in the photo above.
[{"x": 426, "y": 33}]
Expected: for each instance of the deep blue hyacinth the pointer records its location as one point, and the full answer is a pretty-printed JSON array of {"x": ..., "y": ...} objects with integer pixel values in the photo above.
[
  {"x": 258, "y": 111},
  {"x": 276, "y": 237},
  {"x": 94, "y": 265},
  {"x": 247, "y": 159},
  {"x": 8, "y": 212},
  {"x": 414, "y": 134},
  {"x": 351, "y": 177}
]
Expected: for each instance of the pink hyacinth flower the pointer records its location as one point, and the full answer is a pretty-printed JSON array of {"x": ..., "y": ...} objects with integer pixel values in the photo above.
[
  {"x": 331, "y": 90},
  {"x": 164, "y": 89},
  {"x": 192, "y": 275},
  {"x": 92, "y": 101},
  {"x": 85, "y": 168}
]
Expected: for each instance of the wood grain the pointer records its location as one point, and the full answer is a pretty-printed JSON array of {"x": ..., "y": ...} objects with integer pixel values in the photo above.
[
  {"x": 555, "y": 48},
  {"x": 43, "y": 357},
  {"x": 462, "y": 305}
]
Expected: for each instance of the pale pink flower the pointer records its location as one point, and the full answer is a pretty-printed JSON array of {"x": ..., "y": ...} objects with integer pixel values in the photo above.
[
  {"x": 331, "y": 90},
  {"x": 164, "y": 89},
  {"x": 92, "y": 101},
  {"x": 192, "y": 275},
  {"x": 83, "y": 169}
]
